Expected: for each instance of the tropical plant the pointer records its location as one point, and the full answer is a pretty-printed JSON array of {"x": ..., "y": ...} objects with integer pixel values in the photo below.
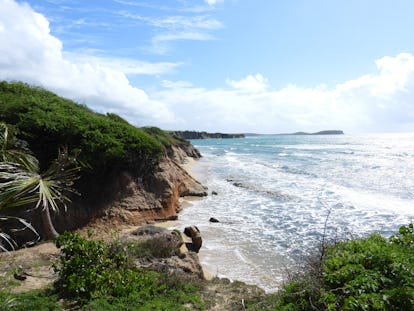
[
  {"x": 14, "y": 150},
  {"x": 22, "y": 184}
]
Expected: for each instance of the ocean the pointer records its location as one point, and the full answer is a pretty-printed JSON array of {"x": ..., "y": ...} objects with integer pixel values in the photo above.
[{"x": 278, "y": 196}]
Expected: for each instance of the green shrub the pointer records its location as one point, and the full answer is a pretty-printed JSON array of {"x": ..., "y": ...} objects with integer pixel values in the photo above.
[
  {"x": 164, "y": 137},
  {"x": 47, "y": 122},
  {"x": 103, "y": 278},
  {"x": 373, "y": 273},
  {"x": 87, "y": 269},
  {"x": 404, "y": 237}
]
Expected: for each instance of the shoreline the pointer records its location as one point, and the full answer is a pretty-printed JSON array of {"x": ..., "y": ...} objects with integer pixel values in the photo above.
[{"x": 186, "y": 202}]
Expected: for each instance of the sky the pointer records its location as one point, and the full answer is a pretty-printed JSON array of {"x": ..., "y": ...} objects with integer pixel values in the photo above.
[{"x": 233, "y": 66}]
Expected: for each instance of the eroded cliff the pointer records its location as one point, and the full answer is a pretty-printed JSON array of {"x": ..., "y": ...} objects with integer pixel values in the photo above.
[{"x": 122, "y": 199}]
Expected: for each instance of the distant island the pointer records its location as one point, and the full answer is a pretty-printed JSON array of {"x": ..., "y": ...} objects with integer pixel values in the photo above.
[
  {"x": 328, "y": 132},
  {"x": 203, "y": 135}
]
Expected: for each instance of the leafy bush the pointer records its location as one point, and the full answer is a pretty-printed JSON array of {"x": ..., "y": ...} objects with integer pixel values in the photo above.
[
  {"x": 47, "y": 122},
  {"x": 164, "y": 137},
  {"x": 374, "y": 273},
  {"x": 103, "y": 278},
  {"x": 87, "y": 269},
  {"x": 404, "y": 237}
]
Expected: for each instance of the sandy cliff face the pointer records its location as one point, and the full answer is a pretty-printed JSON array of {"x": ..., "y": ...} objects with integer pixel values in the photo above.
[{"x": 156, "y": 197}]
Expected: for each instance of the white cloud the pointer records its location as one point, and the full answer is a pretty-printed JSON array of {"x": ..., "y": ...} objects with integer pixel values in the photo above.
[
  {"x": 213, "y": 2},
  {"x": 251, "y": 83},
  {"x": 175, "y": 28},
  {"x": 124, "y": 65},
  {"x": 175, "y": 84},
  {"x": 28, "y": 52},
  {"x": 381, "y": 101},
  {"x": 160, "y": 43},
  {"x": 186, "y": 22}
]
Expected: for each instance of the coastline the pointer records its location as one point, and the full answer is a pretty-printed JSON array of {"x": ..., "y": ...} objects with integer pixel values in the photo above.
[{"x": 186, "y": 202}]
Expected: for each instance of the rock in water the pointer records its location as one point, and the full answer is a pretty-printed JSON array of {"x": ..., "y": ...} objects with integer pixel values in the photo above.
[
  {"x": 212, "y": 219},
  {"x": 194, "y": 233}
]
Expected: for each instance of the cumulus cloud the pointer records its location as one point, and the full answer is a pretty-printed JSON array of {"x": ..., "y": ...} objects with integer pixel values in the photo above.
[
  {"x": 28, "y": 52},
  {"x": 250, "y": 83},
  {"x": 380, "y": 101}
]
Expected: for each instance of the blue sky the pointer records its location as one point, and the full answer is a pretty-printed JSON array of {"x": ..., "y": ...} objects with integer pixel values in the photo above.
[{"x": 221, "y": 65}]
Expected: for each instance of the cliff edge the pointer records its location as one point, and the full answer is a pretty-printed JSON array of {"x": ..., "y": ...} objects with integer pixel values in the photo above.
[{"x": 121, "y": 199}]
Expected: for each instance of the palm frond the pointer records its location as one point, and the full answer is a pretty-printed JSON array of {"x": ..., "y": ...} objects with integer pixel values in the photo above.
[
  {"x": 18, "y": 186},
  {"x": 15, "y": 150},
  {"x": 9, "y": 241}
]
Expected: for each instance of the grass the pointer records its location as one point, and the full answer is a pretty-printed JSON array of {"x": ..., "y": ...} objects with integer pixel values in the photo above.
[{"x": 39, "y": 300}]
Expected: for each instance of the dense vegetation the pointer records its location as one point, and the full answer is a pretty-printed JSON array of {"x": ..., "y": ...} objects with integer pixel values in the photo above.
[
  {"x": 48, "y": 122},
  {"x": 93, "y": 275},
  {"x": 374, "y": 273}
]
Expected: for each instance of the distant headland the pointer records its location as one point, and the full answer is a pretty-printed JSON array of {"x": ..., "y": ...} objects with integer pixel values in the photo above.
[
  {"x": 204, "y": 135},
  {"x": 325, "y": 132}
]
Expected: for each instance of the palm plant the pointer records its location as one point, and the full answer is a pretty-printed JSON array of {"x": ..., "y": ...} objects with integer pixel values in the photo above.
[
  {"x": 14, "y": 150},
  {"x": 21, "y": 183}
]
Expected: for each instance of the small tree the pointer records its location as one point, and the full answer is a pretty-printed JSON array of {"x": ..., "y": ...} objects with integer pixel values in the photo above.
[{"x": 21, "y": 183}]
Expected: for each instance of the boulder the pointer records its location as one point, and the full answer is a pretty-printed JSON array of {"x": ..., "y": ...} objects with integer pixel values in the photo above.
[
  {"x": 159, "y": 249},
  {"x": 212, "y": 219},
  {"x": 196, "y": 241},
  {"x": 158, "y": 242}
]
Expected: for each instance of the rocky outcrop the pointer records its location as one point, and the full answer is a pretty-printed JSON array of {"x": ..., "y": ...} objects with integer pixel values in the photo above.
[
  {"x": 157, "y": 196},
  {"x": 162, "y": 250},
  {"x": 204, "y": 135}
]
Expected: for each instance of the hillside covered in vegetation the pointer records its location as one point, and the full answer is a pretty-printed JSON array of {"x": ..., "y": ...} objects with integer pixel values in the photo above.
[
  {"x": 126, "y": 172},
  {"x": 47, "y": 122}
]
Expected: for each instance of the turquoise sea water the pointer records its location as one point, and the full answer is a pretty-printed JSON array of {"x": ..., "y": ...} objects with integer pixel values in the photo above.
[{"x": 275, "y": 192}]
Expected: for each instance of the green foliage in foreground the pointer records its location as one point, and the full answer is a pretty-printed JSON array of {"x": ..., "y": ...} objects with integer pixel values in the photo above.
[
  {"x": 48, "y": 122},
  {"x": 102, "y": 277},
  {"x": 365, "y": 274},
  {"x": 373, "y": 273}
]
